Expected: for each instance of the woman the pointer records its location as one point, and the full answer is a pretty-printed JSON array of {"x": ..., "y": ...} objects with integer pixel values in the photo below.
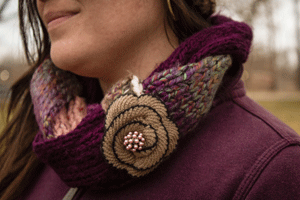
[{"x": 169, "y": 119}]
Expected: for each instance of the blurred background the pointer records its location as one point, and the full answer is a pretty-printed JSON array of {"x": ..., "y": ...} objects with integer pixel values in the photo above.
[{"x": 272, "y": 72}]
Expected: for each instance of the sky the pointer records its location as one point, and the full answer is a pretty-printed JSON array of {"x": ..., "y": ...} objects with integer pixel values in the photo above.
[
  {"x": 10, "y": 43},
  {"x": 286, "y": 22}
]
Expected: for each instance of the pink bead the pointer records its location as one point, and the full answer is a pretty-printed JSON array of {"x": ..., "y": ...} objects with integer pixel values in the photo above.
[{"x": 134, "y": 141}]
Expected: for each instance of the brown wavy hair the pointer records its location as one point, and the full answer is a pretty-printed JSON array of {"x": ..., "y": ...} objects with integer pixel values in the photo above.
[{"x": 18, "y": 163}]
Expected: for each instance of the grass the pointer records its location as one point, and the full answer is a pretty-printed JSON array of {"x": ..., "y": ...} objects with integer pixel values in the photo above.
[
  {"x": 286, "y": 111},
  {"x": 2, "y": 116}
]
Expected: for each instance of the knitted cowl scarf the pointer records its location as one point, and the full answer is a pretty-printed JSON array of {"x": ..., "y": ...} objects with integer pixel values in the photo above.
[{"x": 137, "y": 125}]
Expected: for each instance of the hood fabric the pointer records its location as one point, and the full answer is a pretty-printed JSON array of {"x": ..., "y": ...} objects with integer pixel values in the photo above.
[{"x": 165, "y": 107}]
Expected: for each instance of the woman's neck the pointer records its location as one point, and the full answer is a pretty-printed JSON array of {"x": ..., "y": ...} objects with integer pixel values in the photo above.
[{"x": 142, "y": 59}]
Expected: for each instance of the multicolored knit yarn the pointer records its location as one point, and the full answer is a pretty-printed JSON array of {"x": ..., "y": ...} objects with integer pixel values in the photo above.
[
  {"x": 51, "y": 89},
  {"x": 188, "y": 90}
]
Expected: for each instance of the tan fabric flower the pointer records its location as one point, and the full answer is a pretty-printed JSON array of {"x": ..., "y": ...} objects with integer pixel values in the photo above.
[{"x": 146, "y": 115}]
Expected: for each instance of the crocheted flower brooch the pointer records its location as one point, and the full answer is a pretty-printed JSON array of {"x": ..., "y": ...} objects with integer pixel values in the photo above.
[
  {"x": 139, "y": 134},
  {"x": 143, "y": 125}
]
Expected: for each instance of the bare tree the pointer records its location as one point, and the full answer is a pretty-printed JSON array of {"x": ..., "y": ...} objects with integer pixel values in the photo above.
[
  {"x": 271, "y": 43},
  {"x": 2, "y": 7}
]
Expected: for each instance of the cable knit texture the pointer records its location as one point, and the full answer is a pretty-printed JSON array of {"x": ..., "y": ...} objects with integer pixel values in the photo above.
[
  {"x": 184, "y": 83},
  {"x": 51, "y": 90}
]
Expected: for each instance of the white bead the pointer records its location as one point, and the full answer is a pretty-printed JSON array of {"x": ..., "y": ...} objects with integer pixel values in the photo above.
[{"x": 130, "y": 141}]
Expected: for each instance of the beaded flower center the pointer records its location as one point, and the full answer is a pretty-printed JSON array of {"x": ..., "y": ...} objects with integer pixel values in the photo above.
[{"x": 134, "y": 141}]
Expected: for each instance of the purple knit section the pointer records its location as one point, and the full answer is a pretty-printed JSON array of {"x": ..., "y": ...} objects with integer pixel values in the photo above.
[{"x": 225, "y": 37}]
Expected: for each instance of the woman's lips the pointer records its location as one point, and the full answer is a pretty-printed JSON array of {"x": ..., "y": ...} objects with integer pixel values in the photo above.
[{"x": 52, "y": 19}]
